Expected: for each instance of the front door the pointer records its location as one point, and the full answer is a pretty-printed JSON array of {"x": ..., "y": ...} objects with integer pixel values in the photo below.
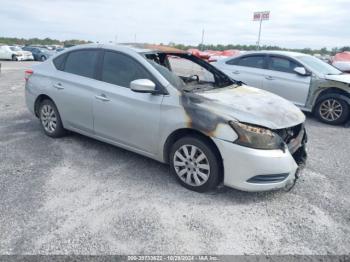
[
  {"x": 121, "y": 115},
  {"x": 281, "y": 79}
]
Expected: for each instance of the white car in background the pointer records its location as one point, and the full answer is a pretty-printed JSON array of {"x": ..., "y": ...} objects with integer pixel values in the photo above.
[
  {"x": 14, "y": 53},
  {"x": 311, "y": 84}
]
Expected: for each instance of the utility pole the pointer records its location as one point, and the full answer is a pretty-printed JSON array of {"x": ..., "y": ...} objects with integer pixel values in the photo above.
[
  {"x": 260, "y": 16},
  {"x": 258, "y": 42},
  {"x": 202, "y": 43}
]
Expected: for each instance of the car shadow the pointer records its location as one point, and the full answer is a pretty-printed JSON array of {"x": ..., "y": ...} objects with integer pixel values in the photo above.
[
  {"x": 107, "y": 162},
  {"x": 159, "y": 175},
  {"x": 311, "y": 119}
]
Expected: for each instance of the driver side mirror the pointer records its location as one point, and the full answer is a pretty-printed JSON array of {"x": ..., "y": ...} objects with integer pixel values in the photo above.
[
  {"x": 143, "y": 86},
  {"x": 301, "y": 71}
]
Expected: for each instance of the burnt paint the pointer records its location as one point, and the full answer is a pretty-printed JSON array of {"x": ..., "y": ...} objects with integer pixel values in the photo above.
[
  {"x": 205, "y": 113},
  {"x": 318, "y": 85},
  {"x": 200, "y": 118}
]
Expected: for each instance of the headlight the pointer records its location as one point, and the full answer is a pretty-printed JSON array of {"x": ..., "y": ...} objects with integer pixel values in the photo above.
[{"x": 256, "y": 137}]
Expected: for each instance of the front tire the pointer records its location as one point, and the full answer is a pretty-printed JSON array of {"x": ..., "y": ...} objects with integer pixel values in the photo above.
[
  {"x": 194, "y": 164},
  {"x": 42, "y": 58},
  {"x": 50, "y": 119},
  {"x": 332, "y": 110},
  {"x": 14, "y": 58}
]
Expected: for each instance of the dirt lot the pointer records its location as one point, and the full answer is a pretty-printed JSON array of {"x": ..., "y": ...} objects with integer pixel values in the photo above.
[{"x": 77, "y": 195}]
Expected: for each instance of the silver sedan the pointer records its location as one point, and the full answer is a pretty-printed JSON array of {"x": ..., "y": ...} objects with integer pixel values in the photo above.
[
  {"x": 308, "y": 82},
  {"x": 208, "y": 127}
]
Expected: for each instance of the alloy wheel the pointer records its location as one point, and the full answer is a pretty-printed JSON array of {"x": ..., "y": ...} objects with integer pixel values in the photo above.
[
  {"x": 331, "y": 110},
  {"x": 191, "y": 165},
  {"x": 48, "y": 118}
]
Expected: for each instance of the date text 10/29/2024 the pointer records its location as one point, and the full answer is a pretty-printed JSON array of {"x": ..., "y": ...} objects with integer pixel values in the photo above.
[{"x": 173, "y": 258}]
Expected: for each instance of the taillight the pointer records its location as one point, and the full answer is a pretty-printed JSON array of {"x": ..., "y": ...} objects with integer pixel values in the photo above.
[{"x": 27, "y": 74}]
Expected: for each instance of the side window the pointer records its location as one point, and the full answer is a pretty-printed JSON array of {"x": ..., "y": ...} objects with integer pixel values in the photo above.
[
  {"x": 252, "y": 61},
  {"x": 282, "y": 64},
  {"x": 81, "y": 63},
  {"x": 119, "y": 69},
  {"x": 59, "y": 62},
  {"x": 232, "y": 61}
]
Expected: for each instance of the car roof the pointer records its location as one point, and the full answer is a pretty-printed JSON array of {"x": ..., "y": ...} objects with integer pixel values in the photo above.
[
  {"x": 276, "y": 52},
  {"x": 139, "y": 48}
]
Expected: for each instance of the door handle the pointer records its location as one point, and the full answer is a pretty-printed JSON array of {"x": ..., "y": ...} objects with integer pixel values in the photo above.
[
  {"x": 236, "y": 72},
  {"x": 58, "y": 86},
  {"x": 102, "y": 98},
  {"x": 269, "y": 77}
]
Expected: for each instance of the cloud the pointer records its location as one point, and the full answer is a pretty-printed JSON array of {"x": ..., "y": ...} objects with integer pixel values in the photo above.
[{"x": 297, "y": 23}]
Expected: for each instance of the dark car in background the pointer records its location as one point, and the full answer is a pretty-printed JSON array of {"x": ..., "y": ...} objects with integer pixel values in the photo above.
[{"x": 39, "y": 53}]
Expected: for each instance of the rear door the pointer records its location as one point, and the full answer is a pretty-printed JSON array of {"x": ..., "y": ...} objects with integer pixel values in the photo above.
[
  {"x": 35, "y": 52},
  {"x": 6, "y": 52},
  {"x": 121, "y": 115},
  {"x": 2, "y": 53},
  {"x": 250, "y": 69},
  {"x": 73, "y": 86},
  {"x": 281, "y": 79}
]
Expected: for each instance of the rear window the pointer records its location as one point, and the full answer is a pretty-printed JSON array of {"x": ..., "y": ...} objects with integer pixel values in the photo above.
[
  {"x": 232, "y": 61},
  {"x": 15, "y": 48},
  {"x": 81, "y": 63},
  {"x": 59, "y": 62},
  {"x": 251, "y": 61}
]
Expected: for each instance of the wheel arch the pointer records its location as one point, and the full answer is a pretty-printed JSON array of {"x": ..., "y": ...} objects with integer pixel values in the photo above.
[
  {"x": 182, "y": 132},
  {"x": 38, "y": 101}
]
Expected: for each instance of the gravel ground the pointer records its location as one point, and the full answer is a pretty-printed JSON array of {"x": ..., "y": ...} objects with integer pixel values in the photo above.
[{"x": 76, "y": 195}]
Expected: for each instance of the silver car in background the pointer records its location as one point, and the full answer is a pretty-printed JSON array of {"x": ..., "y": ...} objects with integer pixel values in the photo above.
[
  {"x": 208, "y": 127},
  {"x": 308, "y": 82}
]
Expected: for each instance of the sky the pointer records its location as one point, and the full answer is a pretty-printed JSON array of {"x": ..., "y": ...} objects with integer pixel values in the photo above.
[{"x": 292, "y": 24}]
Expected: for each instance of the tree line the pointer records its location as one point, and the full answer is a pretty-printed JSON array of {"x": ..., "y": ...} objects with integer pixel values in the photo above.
[
  {"x": 38, "y": 41},
  {"x": 219, "y": 47}
]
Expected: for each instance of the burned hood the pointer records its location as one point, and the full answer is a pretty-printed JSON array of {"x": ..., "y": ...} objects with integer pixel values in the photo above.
[
  {"x": 344, "y": 78},
  {"x": 245, "y": 104}
]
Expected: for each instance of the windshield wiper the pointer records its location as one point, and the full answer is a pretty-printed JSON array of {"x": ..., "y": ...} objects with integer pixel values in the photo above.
[{"x": 239, "y": 83}]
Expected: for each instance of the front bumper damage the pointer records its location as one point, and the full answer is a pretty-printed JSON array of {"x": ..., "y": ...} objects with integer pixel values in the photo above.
[{"x": 251, "y": 169}]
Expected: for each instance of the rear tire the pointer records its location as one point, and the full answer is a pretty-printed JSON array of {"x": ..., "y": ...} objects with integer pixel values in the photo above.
[
  {"x": 14, "y": 58},
  {"x": 50, "y": 119},
  {"x": 194, "y": 164},
  {"x": 332, "y": 110},
  {"x": 42, "y": 58}
]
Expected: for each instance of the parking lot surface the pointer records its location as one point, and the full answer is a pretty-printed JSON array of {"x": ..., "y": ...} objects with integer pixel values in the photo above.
[{"x": 75, "y": 195}]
